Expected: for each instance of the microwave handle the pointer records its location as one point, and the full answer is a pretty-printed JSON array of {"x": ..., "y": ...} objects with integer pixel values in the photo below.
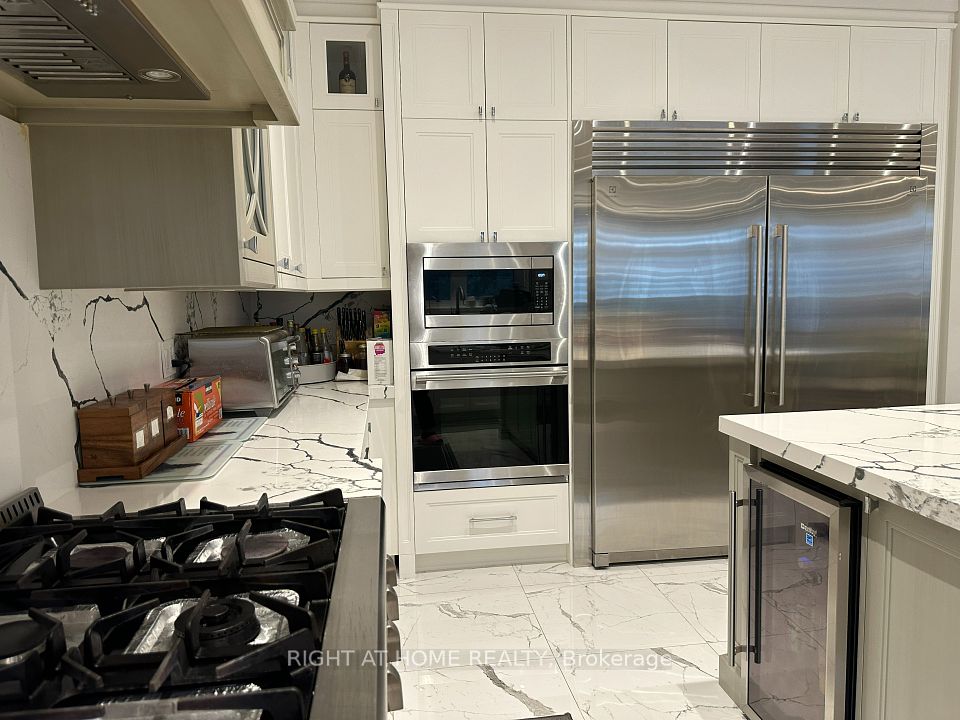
[{"x": 424, "y": 380}]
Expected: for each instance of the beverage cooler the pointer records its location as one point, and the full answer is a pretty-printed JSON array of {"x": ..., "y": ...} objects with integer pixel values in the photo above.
[{"x": 804, "y": 567}]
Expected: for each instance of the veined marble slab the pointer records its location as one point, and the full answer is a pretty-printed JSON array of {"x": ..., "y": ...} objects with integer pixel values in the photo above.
[
  {"x": 313, "y": 444},
  {"x": 909, "y": 456}
]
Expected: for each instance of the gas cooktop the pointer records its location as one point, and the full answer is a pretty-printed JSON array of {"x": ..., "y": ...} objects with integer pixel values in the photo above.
[{"x": 259, "y": 612}]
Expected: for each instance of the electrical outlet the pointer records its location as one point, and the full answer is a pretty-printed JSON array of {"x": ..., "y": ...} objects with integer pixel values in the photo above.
[{"x": 167, "y": 370}]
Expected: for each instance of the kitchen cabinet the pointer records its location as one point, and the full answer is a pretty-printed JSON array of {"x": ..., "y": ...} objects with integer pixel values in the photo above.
[
  {"x": 496, "y": 181},
  {"x": 713, "y": 71},
  {"x": 619, "y": 69},
  {"x": 527, "y": 180},
  {"x": 806, "y": 71},
  {"x": 351, "y": 193},
  {"x": 441, "y": 64},
  {"x": 345, "y": 67},
  {"x": 148, "y": 207},
  {"x": 525, "y": 62},
  {"x": 892, "y": 74},
  {"x": 483, "y": 65},
  {"x": 284, "y": 156},
  {"x": 445, "y": 180}
]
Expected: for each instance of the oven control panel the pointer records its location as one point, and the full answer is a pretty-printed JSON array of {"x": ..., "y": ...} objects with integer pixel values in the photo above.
[
  {"x": 542, "y": 290},
  {"x": 491, "y": 353}
]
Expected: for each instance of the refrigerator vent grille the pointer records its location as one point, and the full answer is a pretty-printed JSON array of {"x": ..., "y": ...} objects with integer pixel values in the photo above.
[{"x": 620, "y": 148}]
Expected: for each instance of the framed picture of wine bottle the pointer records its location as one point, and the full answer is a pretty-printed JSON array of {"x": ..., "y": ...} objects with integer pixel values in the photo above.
[{"x": 345, "y": 62}]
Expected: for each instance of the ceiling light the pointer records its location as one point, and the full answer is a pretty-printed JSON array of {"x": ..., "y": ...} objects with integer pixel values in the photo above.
[{"x": 159, "y": 75}]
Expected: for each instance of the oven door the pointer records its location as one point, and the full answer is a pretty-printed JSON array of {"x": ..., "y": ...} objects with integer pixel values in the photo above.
[
  {"x": 486, "y": 292},
  {"x": 478, "y": 428}
]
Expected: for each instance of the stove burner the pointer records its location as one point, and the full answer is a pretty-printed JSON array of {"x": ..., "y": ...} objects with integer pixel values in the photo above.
[
  {"x": 264, "y": 545},
  {"x": 88, "y": 557},
  {"x": 224, "y": 622},
  {"x": 20, "y": 639}
]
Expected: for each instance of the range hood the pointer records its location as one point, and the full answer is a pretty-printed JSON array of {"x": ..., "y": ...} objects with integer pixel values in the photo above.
[
  {"x": 91, "y": 49},
  {"x": 196, "y": 62}
]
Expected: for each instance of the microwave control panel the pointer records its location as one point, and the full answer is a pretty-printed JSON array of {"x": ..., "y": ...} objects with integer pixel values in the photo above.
[
  {"x": 489, "y": 353},
  {"x": 542, "y": 290}
]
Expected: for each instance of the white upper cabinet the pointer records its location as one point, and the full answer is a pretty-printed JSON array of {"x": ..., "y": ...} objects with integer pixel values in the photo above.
[
  {"x": 619, "y": 69},
  {"x": 287, "y": 200},
  {"x": 892, "y": 74},
  {"x": 351, "y": 193},
  {"x": 806, "y": 70},
  {"x": 525, "y": 57},
  {"x": 444, "y": 169},
  {"x": 527, "y": 181},
  {"x": 441, "y": 64},
  {"x": 714, "y": 71},
  {"x": 345, "y": 67}
]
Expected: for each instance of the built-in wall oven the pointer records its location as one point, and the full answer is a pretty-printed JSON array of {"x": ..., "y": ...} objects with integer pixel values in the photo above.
[{"x": 488, "y": 355}]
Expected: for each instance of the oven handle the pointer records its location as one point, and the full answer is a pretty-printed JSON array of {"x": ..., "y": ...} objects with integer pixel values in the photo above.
[{"x": 505, "y": 377}]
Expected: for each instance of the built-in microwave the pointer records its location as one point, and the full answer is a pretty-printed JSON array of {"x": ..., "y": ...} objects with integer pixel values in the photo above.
[{"x": 487, "y": 292}]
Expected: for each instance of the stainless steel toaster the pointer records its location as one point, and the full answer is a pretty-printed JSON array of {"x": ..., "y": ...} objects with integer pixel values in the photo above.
[{"x": 258, "y": 365}]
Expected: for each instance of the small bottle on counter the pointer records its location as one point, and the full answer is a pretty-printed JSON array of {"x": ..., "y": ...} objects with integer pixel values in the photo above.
[
  {"x": 316, "y": 354},
  {"x": 343, "y": 363},
  {"x": 326, "y": 352},
  {"x": 302, "y": 349}
]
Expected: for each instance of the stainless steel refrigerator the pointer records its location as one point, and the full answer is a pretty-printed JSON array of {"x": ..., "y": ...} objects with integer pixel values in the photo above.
[{"x": 725, "y": 269}]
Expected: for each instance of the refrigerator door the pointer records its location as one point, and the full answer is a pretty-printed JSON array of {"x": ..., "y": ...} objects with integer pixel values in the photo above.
[
  {"x": 677, "y": 265},
  {"x": 800, "y": 609},
  {"x": 847, "y": 322}
]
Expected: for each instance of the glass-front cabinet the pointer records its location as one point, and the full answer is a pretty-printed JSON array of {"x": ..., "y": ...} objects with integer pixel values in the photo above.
[{"x": 345, "y": 63}]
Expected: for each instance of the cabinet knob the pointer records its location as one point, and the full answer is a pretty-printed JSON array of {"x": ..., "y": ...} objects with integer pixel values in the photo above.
[
  {"x": 376, "y": 102},
  {"x": 285, "y": 263},
  {"x": 845, "y": 118},
  {"x": 674, "y": 117},
  {"x": 856, "y": 117},
  {"x": 494, "y": 236},
  {"x": 663, "y": 114},
  {"x": 483, "y": 236},
  {"x": 493, "y": 111},
  {"x": 298, "y": 268},
  {"x": 479, "y": 110}
]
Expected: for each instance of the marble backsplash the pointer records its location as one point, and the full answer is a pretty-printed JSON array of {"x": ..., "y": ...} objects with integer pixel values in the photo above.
[
  {"x": 317, "y": 310},
  {"x": 60, "y": 349}
]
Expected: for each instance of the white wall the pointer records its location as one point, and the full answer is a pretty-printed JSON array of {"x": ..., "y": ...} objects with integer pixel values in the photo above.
[{"x": 103, "y": 341}]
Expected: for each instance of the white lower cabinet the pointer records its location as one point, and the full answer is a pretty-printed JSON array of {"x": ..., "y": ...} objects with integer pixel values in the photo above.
[
  {"x": 351, "y": 193},
  {"x": 473, "y": 181},
  {"x": 444, "y": 177},
  {"x": 491, "y": 518}
]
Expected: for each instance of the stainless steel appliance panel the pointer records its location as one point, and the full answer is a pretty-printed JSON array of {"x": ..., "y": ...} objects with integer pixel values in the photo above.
[
  {"x": 678, "y": 262},
  {"x": 848, "y": 293}
]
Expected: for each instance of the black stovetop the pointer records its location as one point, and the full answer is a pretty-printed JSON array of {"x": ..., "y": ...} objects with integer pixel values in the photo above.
[{"x": 170, "y": 608}]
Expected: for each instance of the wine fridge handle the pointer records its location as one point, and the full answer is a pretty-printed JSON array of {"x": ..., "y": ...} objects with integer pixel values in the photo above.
[{"x": 758, "y": 575}]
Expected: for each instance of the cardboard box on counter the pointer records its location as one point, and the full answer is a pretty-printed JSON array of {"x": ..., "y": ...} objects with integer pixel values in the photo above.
[{"x": 198, "y": 404}]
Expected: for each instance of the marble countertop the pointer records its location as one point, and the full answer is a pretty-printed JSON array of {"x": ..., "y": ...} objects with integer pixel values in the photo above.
[
  {"x": 312, "y": 444},
  {"x": 909, "y": 456}
]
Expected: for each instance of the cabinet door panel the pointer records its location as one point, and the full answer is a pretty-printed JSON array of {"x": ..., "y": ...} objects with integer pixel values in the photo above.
[
  {"x": 441, "y": 64},
  {"x": 444, "y": 168},
  {"x": 619, "y": 68},
  {"x": 892, "y": 74},
  {"x": 714, "y": 71},
  {"x": 286, "y": 200},
  {"x": 347, "y": 50},
  {"x": 527, "y": 180},
  {"x": 806, "y": 71},
  {"x": 526, "y": 66},
  {"x": 351, "y": 193}
]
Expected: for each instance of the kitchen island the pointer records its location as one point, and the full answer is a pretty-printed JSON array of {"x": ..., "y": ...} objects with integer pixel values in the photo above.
[
  {"x": 900, "y": 467},
  {"x": 314, "y": 443}
]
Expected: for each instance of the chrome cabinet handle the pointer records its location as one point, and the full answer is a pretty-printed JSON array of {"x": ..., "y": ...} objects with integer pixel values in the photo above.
[
  {"x": 493, "y": 237},
  {"x": 845, "y": 117},
  {"x": 393, "y": 605},
  {"x": 285, "y": 263},
  {"x": 376, "y": 102},
  {"x": 856, "y": 117},
  {"x": 493, "y": 111},
  {"x": 674, "y": 117},
  {"x": 663, "y": 114},
  {"x": 483, "y": 236},
  {"x": 479, "y": 110},
  {"x": 784, "y": 233},
  {"x": 501, "y": 518},
  {"x": 252, "y": 245},
  {"x": 298, "y": 268},
  {"x": 756, "y": 235}
]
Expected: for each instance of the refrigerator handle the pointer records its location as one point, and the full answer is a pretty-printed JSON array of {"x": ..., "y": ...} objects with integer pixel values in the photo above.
[
  {"x": 756, "y": 234},
  {"x": 783, "y": 231}
]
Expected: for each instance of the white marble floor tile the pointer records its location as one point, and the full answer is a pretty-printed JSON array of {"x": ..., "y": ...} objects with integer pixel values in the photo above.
[
  {"x": 702, "y": 599},
  {"x": 678, "y": 567},
  {"x": 458, "y": 581},
  {"x": 556, "y": 574},
  {"x": 663, "y": 683},
  {"x": 447, "y": 629},
  {"x": 626, "y": 614},
  {"x": 482, "y": 692}
]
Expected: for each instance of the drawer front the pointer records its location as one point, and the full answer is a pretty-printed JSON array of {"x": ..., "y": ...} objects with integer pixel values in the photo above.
[{"x": 491, "y": 518}]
